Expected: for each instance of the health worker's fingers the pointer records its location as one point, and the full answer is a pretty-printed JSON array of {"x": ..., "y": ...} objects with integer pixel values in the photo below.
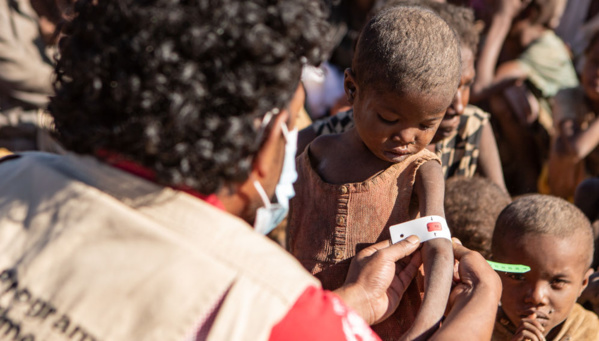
[{"x": 395, "y": 251}]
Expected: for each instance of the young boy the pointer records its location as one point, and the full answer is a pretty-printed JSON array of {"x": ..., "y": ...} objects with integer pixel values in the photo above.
[
  {"x": 464, "y": 141},
  {"x": 555, "y": 240},
  {"x": 353, "y": 186}
]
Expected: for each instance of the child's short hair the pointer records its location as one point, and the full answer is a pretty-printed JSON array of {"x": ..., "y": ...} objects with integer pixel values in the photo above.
[
  {"x": 408, "y": 49},
  {"x": 472, "y": 206},
  {"x": 542, "y": 214},
  {"x": 460, "y": 18}
]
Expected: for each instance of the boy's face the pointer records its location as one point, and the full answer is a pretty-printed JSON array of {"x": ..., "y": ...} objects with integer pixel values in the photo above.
[
  {"x": 590, "y": 73},
  {"x": 451, "y": 120},
  {"x": 559, "y": 273},
  {"x": 394, "y": 126}
]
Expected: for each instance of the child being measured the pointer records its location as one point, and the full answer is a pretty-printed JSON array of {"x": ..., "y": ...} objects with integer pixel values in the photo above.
[
  {"x": 555, "y": 239},
  {"x": 353, "y": 186}
]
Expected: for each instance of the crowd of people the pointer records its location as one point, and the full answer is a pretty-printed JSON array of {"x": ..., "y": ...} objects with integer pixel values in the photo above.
[{"x": 231, "y": 170}]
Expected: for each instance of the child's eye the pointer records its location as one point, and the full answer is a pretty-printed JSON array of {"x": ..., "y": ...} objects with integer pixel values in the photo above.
[
  {"x": 386, "y": 121},
  {"x": 426, "y": 127},
  {"x": 515, "y": 277},
  {"x": 558, "y": 283}
]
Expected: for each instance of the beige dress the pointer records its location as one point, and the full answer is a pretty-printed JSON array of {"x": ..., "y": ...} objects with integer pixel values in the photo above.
[
  {"x": 329, "y": 224},
  {"x": 581, "y": 325}
]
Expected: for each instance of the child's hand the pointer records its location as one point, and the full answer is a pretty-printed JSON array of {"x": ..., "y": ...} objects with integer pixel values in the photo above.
[{"x": 530, "y": 330}]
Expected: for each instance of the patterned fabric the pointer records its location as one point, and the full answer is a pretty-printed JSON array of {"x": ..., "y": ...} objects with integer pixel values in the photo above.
[
  {"x": 458, "y": 153},
  {"x": 335, "y": 124}
]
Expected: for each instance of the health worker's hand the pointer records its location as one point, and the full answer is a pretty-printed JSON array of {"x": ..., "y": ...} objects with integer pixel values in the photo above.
[
  {"x": 376, "y": 280},
  {"x": 473, "y": 300}
]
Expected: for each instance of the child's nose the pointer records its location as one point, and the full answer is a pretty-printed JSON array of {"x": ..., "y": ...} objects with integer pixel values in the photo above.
[
  {"x": 405, "y": 136},
  {"x": 537, "y": 294},
  {"x": 456, "y": 104}
]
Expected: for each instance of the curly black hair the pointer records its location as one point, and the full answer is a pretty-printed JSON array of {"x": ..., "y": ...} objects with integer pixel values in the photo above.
[{"x": 178, "y": 85}]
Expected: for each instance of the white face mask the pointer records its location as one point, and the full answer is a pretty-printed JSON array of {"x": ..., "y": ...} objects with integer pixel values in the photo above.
[{"x": 271, "y": 215}]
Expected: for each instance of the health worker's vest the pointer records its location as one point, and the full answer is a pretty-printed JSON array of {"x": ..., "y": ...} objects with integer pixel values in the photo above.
[{"x": 91, "y": 253}]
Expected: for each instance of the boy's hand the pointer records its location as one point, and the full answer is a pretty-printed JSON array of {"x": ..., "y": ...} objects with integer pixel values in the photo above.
[
  {"x": 376, "y": 281},
  {"x": 529, "y": 330}
]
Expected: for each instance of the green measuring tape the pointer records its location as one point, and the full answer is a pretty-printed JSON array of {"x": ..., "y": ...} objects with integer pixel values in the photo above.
[{"x": 514, "y": 268}]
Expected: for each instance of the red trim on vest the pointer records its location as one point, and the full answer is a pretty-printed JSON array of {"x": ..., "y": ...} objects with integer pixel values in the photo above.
[
  {"x": 321, "y": 315},
  {"x": 120, "y": 162}
]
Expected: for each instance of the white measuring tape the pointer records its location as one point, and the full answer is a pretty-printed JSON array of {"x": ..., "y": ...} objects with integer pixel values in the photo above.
[{"x": 426, "y": 228}]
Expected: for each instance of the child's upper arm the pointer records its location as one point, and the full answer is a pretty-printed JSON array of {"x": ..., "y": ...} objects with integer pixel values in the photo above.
[{"x": 430, "y": 188}]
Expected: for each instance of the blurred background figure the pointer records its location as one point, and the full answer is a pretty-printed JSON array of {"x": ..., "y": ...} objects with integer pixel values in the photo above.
[
  {"x": 29, "y": 32},
  {"x": 472, "y": 206}
]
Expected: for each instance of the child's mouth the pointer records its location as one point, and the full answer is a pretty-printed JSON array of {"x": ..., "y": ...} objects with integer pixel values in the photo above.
[
  {"x": 537, "y": 315},
  {"x": 398, "y": 153}
]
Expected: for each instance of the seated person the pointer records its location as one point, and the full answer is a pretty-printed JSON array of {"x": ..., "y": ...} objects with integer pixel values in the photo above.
[
  {"x": 464, "y": 141},
  {"x": 472, "y": 206},
  {"x": 352, "y": 186},
  {"x": 555, "y": 240},
  {"x": 574, "y": 155},
  {"x": 522, "y": 65}
]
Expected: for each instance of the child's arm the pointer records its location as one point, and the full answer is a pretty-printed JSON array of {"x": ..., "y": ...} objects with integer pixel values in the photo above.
[
  {"x": 581, "y": 143},
  {"x": 473, "y": 301},
  {"x": 489, "y": 163},
  {"x": 437, "y": 255},
  {"x": 489, "y": 78},
  {"x": 570, "y": 147}
]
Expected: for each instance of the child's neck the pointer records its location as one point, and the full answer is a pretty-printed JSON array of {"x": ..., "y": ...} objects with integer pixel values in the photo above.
[
  {"x": 368, "y": 165},
  {"x": 346, "y": 160}
]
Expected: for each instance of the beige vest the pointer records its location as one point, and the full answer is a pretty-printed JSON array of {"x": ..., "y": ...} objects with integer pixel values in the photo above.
[{"x": 91, "y": 253}]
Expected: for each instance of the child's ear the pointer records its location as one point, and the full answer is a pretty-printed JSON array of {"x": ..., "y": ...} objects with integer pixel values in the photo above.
[
  {"x": 349, "y": 83},
  {"x": 585, "y": 280}
]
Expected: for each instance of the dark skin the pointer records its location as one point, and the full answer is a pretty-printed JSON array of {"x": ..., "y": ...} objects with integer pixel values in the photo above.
[
  {"x": 489, "y": 164},
  {"x": 537, "y": 302},
  {"x": 500, "y": 81},
  {"x": 388, "y": 129},
  {"x": 377, "y": 279},
  {"x": 572, "y": 143}
]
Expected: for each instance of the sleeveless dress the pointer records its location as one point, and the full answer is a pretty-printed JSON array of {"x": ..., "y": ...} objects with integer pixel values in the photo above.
[{"x": 330, "y": 223}]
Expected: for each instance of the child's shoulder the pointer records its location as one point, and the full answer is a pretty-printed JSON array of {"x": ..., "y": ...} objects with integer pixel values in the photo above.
[
  {"x": 325, "y": 145},
  {"x": 581, "y": 324}
]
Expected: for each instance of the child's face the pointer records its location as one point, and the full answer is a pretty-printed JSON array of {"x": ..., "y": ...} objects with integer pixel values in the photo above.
[
  {"x": 451, "y": 120},
  {"x": 559, "y": 272},
  {"x": 394, "y": 126},
  {"x": 590, "y": 73}
]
